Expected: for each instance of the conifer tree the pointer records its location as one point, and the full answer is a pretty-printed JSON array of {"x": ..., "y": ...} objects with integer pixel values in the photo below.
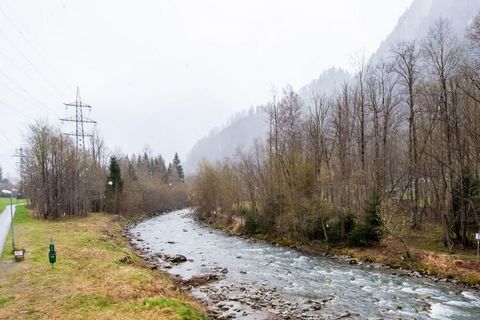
[
  {"x": 114, "y": 187},
  {"x": 178, "y": 167}
]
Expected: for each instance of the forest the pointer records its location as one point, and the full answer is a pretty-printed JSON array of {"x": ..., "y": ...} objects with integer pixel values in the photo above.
[{"x": 399, "y": 143}]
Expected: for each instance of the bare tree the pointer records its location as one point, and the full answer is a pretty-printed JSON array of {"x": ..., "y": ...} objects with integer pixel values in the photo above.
[{"x": 405, "y": 65}]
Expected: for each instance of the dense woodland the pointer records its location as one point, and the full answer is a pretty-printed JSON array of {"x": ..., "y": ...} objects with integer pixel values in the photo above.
[
  {"x": 401, "y": 139},
  {"x": 64, "y": 179}
]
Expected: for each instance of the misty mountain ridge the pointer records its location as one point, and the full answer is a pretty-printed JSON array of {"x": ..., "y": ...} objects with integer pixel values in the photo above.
[
  {"x": 415, "y": 23},
  {"x": 243, "y": 129}
]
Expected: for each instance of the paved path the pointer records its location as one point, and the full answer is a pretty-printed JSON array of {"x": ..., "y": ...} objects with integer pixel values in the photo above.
[{"x": 5, "y": 226}]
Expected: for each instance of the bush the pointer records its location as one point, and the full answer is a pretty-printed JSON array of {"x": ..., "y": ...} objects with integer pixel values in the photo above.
[
  {"x": 334, "y": 231},
  {"x": 274, "y": 207},
  {"x": 251, "y": 224},
  {"x": 370, "y": 231}
]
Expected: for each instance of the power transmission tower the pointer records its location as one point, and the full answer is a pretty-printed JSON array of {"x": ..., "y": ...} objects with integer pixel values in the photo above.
[
  {"x": 21, "y": 154},
  {"x": 79, "y": 120}
]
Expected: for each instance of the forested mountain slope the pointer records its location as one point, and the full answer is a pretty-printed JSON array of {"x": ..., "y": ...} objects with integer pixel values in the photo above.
[{"x": 246, "y": 127}]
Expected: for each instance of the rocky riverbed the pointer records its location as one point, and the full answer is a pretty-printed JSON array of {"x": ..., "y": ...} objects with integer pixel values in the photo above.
[{"x": 246, "y": 279}]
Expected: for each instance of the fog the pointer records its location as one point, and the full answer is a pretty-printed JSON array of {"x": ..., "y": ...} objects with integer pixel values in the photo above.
[{"x": 164, "y": 73}]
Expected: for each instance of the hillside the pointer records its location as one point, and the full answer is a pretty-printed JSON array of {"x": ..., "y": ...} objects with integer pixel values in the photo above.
[
  {"x": 416, "y": 21},
  {"x": 241, "y": 132},
  {"x": 246, "y": 127},
  {"x": 413, "y": 24}
]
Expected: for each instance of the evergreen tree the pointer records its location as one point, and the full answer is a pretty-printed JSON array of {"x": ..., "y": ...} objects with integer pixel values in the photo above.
[
  {"x": 178, "y": 167},
  {"x": 172, "y": 174},
  {"x": 370, "y": 230},
  {"x": 114, "y": 188},
  {"x": 160, "y": 170}
]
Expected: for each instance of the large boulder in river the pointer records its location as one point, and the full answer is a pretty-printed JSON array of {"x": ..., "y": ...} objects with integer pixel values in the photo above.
[{"x": 178, "y": 258}]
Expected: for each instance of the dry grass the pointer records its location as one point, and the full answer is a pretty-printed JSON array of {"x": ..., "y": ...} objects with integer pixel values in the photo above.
[
  {"x": 88, "y": 280},
  {"x": 427, "y": 253}
]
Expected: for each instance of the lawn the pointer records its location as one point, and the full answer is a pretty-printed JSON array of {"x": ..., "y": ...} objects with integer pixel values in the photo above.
[
  {"x": 6, "y": 202},
  {"x": 88, "y": 281}
]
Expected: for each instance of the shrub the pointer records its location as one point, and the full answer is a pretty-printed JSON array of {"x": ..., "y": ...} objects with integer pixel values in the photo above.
[
  {"x": 370, "y": 230},
  {"x": 251, "y": 224},
  {"x": 334, "y": 231}
]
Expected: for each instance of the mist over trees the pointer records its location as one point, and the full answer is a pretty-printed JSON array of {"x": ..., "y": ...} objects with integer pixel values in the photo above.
[
  {"x": 242, "y": 131},
  {"x": 404, "y": 129}
]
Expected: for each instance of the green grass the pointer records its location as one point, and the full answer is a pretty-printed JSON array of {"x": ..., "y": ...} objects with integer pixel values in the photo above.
[
  {"x": 6, "y": 202},
  {"x": 88, "y": 281},
  {"x": 5, "y": 300},
  {"x": 177, "y": 307},
  {"x": 3, "y": 203},
  {"x": 21, "y": 216}
]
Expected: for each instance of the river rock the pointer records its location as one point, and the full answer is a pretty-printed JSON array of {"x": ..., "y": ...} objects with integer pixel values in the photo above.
[
  {"x": 178, "y": 258},
  {"x": 223, "y": 270}
]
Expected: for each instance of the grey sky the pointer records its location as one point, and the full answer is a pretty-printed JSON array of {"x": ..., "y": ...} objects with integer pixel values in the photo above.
[{"x": 164, "y": 73}]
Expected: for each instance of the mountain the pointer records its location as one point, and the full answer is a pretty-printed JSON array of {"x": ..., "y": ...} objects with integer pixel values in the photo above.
[
  {"x": 328, "y": 82},
  {"x": 241, "y": 131},
  {"x": 246, "y": 127},
  {"x": 414, "y": 24}
]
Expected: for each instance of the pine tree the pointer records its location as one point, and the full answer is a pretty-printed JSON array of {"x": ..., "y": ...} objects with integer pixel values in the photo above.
[
  {"x": 114, "y": 187},
  {"x": 160, "y": 170},
  {"x": 370, "y": 230},
  {"x": 178, "y": 166},
  {"x": 172, "y": 174}
]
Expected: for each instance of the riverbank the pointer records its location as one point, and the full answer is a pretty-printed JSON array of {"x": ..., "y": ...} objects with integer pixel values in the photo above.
[
  {"x": 247, "y": 279},
  {"x": 97, "y": 274},
  {"x": 416, "y": 253}
]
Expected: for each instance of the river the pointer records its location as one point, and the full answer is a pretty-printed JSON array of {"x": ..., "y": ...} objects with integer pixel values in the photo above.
[{"x": 263, "y": 281}]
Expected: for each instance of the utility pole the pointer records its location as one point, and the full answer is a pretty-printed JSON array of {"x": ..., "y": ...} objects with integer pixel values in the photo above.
[{"x": 79, "y": 120}]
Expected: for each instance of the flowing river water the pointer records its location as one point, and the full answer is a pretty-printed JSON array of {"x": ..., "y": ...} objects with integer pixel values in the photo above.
[{"x": 263, "y": 281}]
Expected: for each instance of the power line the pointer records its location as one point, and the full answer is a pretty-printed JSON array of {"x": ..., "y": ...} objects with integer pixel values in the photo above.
[
  {"x": 19, "y": 31},
  {"x": 6, "y": 137},
  {"x": 23, "y": 90},
  {"x": 40, "y": 84},
  {"x": 34, "y": 67},
  {"x": 14, "y": 109}
]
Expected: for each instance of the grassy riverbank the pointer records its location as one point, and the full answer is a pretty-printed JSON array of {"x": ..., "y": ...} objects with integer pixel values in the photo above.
[
  {"x": 89, "y": 281},
  {"x": 423, "y": 251},
  {"x": 416, "y": 250}
]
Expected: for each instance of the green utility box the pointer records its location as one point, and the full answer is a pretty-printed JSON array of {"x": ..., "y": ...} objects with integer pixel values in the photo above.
[{"x": 52, "y": 255}]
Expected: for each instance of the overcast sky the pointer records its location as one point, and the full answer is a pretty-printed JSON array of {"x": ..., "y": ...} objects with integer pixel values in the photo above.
[{"x": 164, "y": 73}]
